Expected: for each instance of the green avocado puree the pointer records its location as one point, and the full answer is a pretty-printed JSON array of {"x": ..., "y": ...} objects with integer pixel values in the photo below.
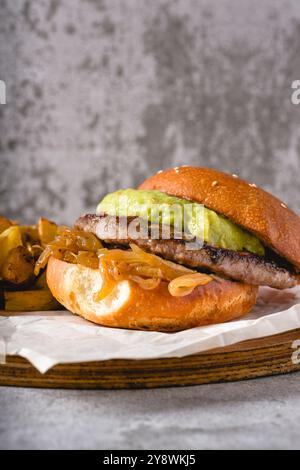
[{"x": 158, "y": 207}]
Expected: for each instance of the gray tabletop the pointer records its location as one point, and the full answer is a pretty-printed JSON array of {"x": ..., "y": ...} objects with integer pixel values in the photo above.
[{"x": 263, "y": 413}]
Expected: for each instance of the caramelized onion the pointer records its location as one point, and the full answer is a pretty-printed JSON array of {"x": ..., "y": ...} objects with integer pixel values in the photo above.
[
  {"x": 148, "y": 284},
  {"x": 68, "y": 245},
  {"x": 88, "y": 259},
  {"x": 109, "y": 283},
  {"x": 145, "y": 269},
  {"x": 185, "y": 285},
  {"x": 144, "y": 264}
]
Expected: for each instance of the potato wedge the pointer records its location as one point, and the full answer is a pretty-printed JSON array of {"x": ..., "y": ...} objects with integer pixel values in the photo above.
[
  {"x": 47, "y": 231},
  {"x": 18, "y": 266},
  {"x": 30, "y": 301},
  {"x": 9, "y": 239},
  {"x": 20, "y": 246},
  {"x": 30, "y": 234},
  {"x": 4, "y": 224}
]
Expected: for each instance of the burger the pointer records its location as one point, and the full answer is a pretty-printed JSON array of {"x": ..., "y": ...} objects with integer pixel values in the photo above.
[{"x": 189, "y": 247}]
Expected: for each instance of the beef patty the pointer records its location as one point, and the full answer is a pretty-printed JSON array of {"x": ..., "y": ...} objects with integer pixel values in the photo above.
[{"x": 269, "y": 271}]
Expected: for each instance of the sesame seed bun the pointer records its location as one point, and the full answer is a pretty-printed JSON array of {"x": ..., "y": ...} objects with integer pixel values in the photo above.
[
  {"x": 250, "y": 207},
  {"x": 130, "y": 306}
]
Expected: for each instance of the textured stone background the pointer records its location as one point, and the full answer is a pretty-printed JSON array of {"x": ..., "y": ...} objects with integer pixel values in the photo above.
[
  {"x": 256, "y": 414},
  {"x": 101, "y": 93}
]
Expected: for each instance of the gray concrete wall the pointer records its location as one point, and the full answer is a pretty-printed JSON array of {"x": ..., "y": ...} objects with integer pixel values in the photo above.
[{"x": 102, "y": 93}]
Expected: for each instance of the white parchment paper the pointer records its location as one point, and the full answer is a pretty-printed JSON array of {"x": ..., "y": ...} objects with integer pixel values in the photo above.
[{"x": 50, "y": 338}]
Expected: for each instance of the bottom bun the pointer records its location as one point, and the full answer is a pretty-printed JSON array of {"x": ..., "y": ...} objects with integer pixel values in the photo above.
[{"x": 130, "y": 306}]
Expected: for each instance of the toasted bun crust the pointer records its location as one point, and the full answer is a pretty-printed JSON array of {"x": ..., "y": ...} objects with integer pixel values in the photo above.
[
  {"x": 248, "y": 206},
  {"x": 130, "y": 306}
]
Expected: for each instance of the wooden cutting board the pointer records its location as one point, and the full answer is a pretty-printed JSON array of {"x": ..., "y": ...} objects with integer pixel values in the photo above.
[{"x": 278, "y": 354}]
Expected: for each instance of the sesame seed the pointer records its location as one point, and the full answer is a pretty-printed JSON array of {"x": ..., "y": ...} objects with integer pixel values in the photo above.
[
  {"x": 253, "y": 185},
  {"x": 159, "y": 171},
  {"x": 235, "y": 176},
  {"x": 283, "y": 205},
  {"x": 176, "y": 169},
  {"x": 214, "y": 183}
]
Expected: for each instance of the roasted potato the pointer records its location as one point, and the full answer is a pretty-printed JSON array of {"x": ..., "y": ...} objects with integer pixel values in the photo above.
[
  {"x": 20, "y": 247},
  {"x": 4, "y": 224},
  {"x": 47, "y": 231},
  {"x": 30, "y": 300},
  {"x": 9, "y": 239},
  {"x": 30, "y": 234},
  {"x": 18, "y": 266}
]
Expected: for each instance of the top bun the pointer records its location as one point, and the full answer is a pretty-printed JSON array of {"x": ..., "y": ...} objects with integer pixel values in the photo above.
[{"x": 248, "y": 206}]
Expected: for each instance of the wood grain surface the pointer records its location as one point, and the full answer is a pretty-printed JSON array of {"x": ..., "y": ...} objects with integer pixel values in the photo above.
[{"x": 250, "y": 359}]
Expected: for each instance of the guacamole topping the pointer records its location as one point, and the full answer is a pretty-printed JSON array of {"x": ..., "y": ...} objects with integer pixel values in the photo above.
[{"x": 158, "y": 207}]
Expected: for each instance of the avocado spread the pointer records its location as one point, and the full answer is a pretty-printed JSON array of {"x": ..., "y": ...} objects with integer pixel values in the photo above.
[{"x": 158, "y": 207}]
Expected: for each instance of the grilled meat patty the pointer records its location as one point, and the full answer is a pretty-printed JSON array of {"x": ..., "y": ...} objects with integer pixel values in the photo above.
[{"x": 241, "y": 266}]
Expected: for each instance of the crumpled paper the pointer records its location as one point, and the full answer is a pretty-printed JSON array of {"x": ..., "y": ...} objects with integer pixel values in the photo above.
[{"x": 50, "y": 338}]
